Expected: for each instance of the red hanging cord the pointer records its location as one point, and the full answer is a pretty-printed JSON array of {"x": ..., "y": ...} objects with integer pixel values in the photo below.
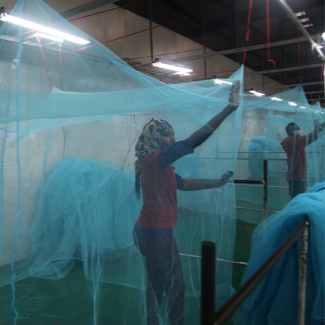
[
  {"x": 268, "y": 33},
  {"x": 248, "y": 30},
  {"x": 46, "y": 67},
  {"x": 193, "y": 82}
]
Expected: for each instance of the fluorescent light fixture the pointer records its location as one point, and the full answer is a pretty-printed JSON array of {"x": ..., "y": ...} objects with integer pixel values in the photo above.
[
  {"x": 309, "y": 25},
  {"x": 48, "y": 31},
  {"x": 220, "y": 82},
  {"x": 52, "y": 38},
  {"x": 301, "y": 13},
  {"x": 256, "y": 93},
  {"x": 292, "y": 104},
  {"x": 304, "y": 20},
  {"x": 323, "y": 35},
  {"x": 171, "y": 67},
  {"x": 277, "y": 99}
]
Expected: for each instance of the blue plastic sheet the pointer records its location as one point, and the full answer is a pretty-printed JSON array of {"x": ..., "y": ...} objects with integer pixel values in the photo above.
[{"x": 275, "y": 300}]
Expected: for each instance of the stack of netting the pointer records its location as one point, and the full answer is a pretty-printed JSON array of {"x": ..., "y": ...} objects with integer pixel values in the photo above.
[{"x": 70, "y": 116}]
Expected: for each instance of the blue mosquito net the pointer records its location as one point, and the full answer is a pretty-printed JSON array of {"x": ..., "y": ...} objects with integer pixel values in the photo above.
[
  {"x": 70, "y": 117},
  {"x": 263, "y": 131}
]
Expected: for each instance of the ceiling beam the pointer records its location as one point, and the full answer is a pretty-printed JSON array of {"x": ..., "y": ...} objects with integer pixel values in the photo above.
[
  {"x": 238, "y": 50},
  {"x": 86, "y": 7},
  {"x": 297, "y": 68},
  {"x": 314, "y": 92},
  {"x": 283, "y": 4},
  {"x": 292, "y": 85}
]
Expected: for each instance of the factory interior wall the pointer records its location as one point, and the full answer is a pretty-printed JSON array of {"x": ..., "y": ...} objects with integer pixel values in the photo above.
[{"x": 117, "y": 23}]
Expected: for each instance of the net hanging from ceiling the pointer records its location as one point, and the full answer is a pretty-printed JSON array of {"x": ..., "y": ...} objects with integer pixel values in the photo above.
[{"x": 71, "y": 116}]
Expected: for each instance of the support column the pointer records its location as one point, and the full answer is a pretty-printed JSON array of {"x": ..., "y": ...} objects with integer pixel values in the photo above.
[
  {"x": 208, "y": 272},
  {"x": 302, "y": 277}
]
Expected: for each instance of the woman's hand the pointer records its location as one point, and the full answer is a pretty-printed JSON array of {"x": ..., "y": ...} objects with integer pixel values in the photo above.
[
  {"x": 234, "y": 98},
  {"x": 225, "y": 178}
]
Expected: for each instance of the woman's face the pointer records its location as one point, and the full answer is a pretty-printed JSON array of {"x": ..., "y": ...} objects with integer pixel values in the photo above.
[{"x": 169, "y": 137}]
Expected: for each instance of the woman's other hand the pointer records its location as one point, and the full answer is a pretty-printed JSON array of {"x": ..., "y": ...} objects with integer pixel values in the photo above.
[{"x": 225, "y": 178}]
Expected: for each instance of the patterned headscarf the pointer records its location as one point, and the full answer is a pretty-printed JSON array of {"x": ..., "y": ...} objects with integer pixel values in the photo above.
[{"x": 149, "y": 141}]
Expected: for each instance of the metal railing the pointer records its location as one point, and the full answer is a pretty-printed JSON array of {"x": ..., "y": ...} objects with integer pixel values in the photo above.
[
  {"x": 249, "y": 181},
  {"x": 208, "y": 314},
  {"x": 264, "y": 182}
]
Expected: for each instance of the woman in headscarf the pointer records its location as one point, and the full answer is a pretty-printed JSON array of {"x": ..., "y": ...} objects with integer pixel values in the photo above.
[{"x": 156, "y": 151}]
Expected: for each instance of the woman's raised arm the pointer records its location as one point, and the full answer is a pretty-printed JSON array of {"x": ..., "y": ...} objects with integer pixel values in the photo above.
[{"x": 202, "y": 134}]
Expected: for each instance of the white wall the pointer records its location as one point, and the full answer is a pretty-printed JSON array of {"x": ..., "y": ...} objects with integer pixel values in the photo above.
[{"x": 121, "y": 22}]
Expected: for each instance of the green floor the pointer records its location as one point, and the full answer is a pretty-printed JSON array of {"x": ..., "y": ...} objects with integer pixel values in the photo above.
[{"x": 70, "y": 300}]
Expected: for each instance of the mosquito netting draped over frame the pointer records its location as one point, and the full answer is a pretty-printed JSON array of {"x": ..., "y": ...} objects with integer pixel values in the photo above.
[
  {"x": 71, "y": 115},
  {"x": 263, "y": 133}
]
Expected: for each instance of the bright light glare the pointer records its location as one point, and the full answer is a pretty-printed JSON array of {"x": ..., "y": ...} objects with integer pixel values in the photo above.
[
  {"x": 256, "y": 93},
  {"x": 304, "y": 20},
  {"x": 277, "y": 99},
  {"x": 323, "y": 35},
  {"x": 40, "y": 28},
  {"x": 301, "y": 13},
  {"x": 302, "y": 106},
  {"x": 171, "y": 67},
  {"x": 292, "y": 104},
  {"x": 309, "y": 25},
  {"x": 220, "y": 82},
  {"x": 52, "y": 38}
]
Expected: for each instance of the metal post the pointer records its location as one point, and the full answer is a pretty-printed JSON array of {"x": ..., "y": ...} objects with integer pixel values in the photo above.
[
  {"x": 302, "y": 277},
  {"x": 208, "y": 282},
  {"x": 265, "y": 190},
  {"x": 223, "y": 314}
]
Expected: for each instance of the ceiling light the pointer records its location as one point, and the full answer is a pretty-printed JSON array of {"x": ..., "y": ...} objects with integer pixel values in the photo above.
[
  {"x": 301, "y": 13},
  {"x": 256, "y": 93},
  {"x": 40, "y": 28},
  {"x": 292, "y": 104},
  {"x": 52, "y": 38},
  {"x": 309, "y": 25},
  {"x": 171, "y": 67},
  {"x": 304, "y": 20},
  {"x": 323, "y": 35},
  {"x": 220, "y": 82},
  {"x": 277, "y": 99}
]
